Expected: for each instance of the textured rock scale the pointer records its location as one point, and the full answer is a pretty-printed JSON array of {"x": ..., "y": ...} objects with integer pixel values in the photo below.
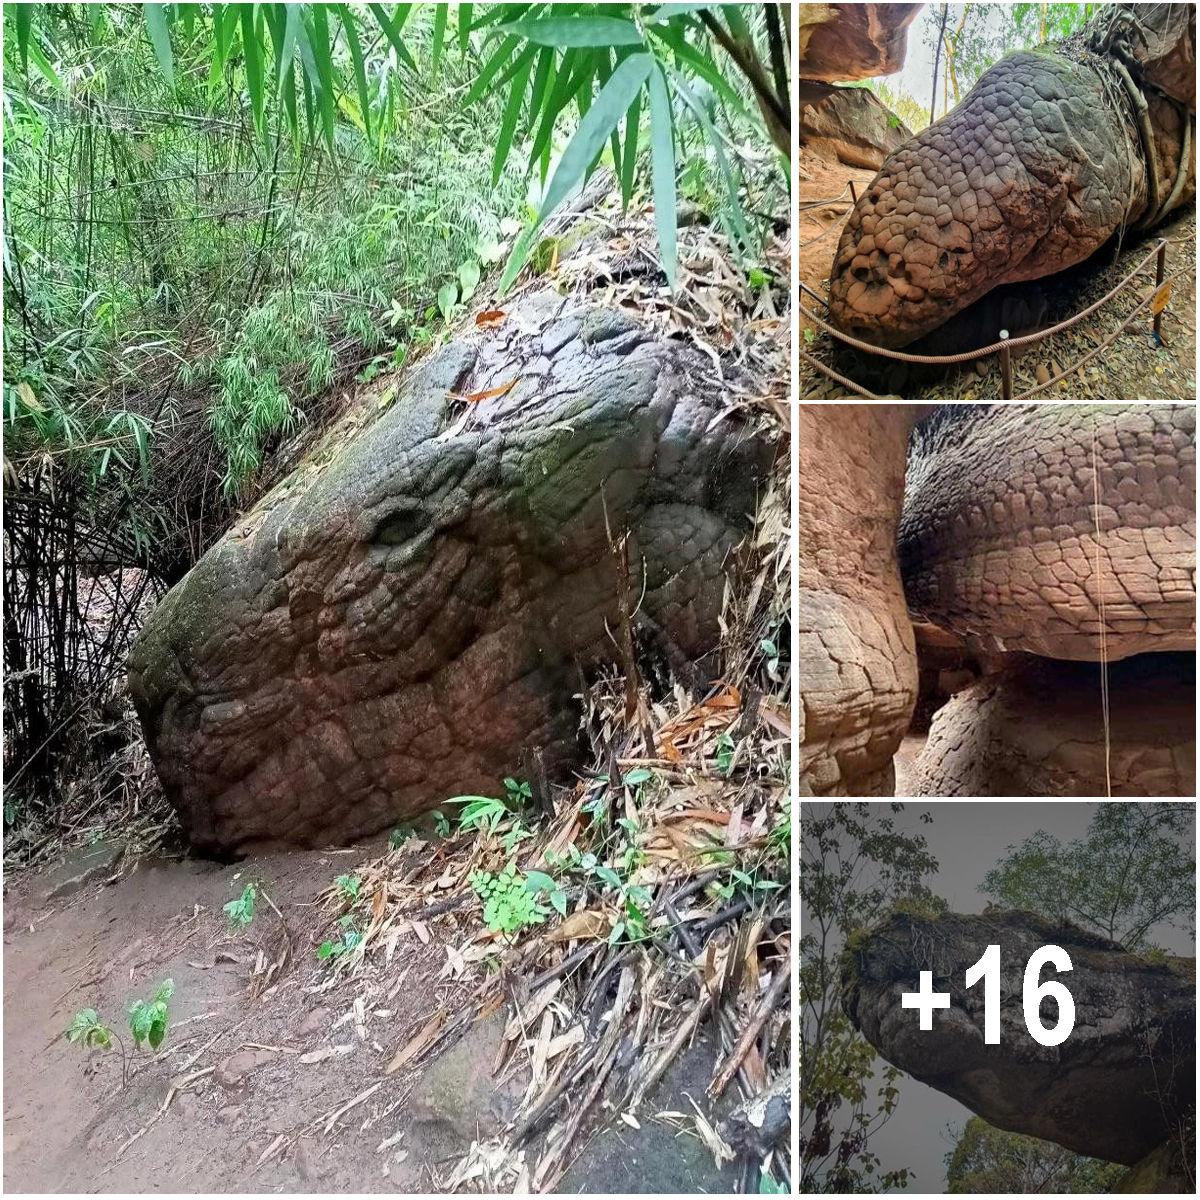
[
  {"x": 404, "y": 623},
  {"x": 1118, "y": 1087},
  {"x": 1033, "y": 172}
]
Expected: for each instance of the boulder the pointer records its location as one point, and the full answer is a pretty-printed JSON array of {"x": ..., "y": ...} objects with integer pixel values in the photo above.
[
  {"x": 851, "y": 126},
  {"x": 412, "y": 613},
  {"x": 1120, "y": 1085},
  {"x": 842, "y": 43}
]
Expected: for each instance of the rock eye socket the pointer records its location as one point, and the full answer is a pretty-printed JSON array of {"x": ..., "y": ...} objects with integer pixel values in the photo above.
[{"x": 399, "y": 528}]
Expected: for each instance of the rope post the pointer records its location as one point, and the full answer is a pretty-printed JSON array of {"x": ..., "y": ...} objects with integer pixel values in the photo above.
[
  {"x": 853, "y": 193},
  {"x": 1159, "y": 273},
  {"x": 1005, "y": 367}
]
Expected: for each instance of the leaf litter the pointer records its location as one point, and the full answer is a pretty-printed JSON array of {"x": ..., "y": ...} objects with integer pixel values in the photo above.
[{"x": 671, "y": 849}]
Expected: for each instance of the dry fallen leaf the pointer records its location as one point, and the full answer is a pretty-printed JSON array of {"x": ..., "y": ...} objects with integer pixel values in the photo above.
[
  {"x": 491, "y": 393},
  {"x": 316, "y": 1056},
  {"x": 585, "y": 924},
  {"x": 421, "y": 1041}
]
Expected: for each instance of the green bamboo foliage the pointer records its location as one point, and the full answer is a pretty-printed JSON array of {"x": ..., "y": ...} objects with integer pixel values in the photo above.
[{"x": 304, "y": 67}]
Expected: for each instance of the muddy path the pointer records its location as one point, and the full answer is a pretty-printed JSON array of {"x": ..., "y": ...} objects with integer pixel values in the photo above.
[{"x": 246, "y": 1091}]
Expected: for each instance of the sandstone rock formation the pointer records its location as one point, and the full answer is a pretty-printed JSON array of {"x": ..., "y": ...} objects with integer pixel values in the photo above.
[
  {"x": 1002, "y": 539},
  {"x": 843, "y": 43},
  {"x": 1043, "y": 161},
  {"x": 1036, "y": 728},
  {"x": 858, "y": 669},
  {"x": 1120, "y": 1085},
  {"x": 402, "y": 624},
  {"x": 840, "y": 43},
  {"x": 850, "y": 125},
  {"x": 1004, "y": 553}
]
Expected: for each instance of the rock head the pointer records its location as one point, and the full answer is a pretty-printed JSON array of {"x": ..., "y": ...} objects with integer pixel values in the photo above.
[
  {"x": 1117, "y": 1088},
  {"x": 403, "y": 623}
]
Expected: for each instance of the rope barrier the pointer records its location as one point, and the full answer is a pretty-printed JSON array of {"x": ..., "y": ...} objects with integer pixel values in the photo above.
[
  {"x": 970, "y": 356},
  {"x": 854, "y": 387},
  {"x": 1006, "y": 345}
]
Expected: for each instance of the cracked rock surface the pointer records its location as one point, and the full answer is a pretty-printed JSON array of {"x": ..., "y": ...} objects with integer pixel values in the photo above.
[
  {"x": 1002, "y": 539},
  {"x": 402, "y": 624},
  {"x": 858, "y": 665},
  {"x": 1033, "y": 172},
  {"x": 1115, "y": 1089},
  {"x": 1037, "y": 729}
]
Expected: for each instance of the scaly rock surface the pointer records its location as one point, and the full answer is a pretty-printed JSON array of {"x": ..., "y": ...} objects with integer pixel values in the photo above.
[
  {"x": 858, "y": 665},
  {"x": 1041, "y": 163},
  {"x": 1037, "y": 728},
  {"x": 1115, "y": 1089},
  {"x": 1002, "y": 539},
  {"x": 404, "y": 623}
]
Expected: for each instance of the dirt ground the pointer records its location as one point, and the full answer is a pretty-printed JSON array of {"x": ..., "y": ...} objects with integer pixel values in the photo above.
[
  {"x": 906, "y": 760},
  {"x": 249, "y": 1092},
  {"x": 1135, "y": 368},
  {"x": 69, "y": 1125}
]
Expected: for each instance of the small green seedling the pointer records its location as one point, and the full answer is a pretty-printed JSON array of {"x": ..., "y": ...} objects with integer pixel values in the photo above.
[
  {"x": 726, "y": 747},
  {"x": 148, "y": 1021},
  {"x": 508, "y": 903},
  {"x": 241, "y": 911},
  {"x": 399, "y": 836},
  {"x": 635, "y": 925},
  {"x": 480, "y": 812},
  {"x": 441, "y": 823},
  {"x": 349, "y": 939},
  {"x": 517, "y": 833},
  {"x": 86, "y": 1028},
  {"x": 746, "y": 882},
  {"x": 538, "y": 882},
  {"x": 771, "y": 650},
  {"x": 517, "y": 792},
  {"x": 348, "y": 887},
  {"x": 758, "y": 278}
]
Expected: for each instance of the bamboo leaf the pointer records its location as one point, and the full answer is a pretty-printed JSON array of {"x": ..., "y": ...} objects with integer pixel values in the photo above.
[
  {"x": 439, "y": 35},
  {"x": 668, "y": 12},
  {"x": 588, "y": 140},
  {"x": 160, "y": 38},
  {"x": 491, "y": 69},
  {"x": 662, "y": 169},
  {"x": 43, "y": 65},
  {"x": 704, "y": 66},
  {"x": 498, "y": 12},
  {"x": 251, "y": 52},
  {"x": 559, "y": 95},
  {"x": 633, "y": 119},
  {"x": 24, "y": 25},
  {"x": 360, "y": 67},
  {"x": 464, "y": 27},
  {"x": 288, "y": 50},
  {"x": 541, "y": 81},
  {"x": 319, "y": 42},
  {"x": 576, "y": 31},
  {"x": 391, "y": 30},
  {"x": 508, "y": 122},
  {"x": 733, "y": 210}
]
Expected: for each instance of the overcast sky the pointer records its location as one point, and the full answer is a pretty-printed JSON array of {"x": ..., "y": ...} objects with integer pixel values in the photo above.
[
  {"x": 916, "y": 76},
  {"x": 968, "y": 838}
]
